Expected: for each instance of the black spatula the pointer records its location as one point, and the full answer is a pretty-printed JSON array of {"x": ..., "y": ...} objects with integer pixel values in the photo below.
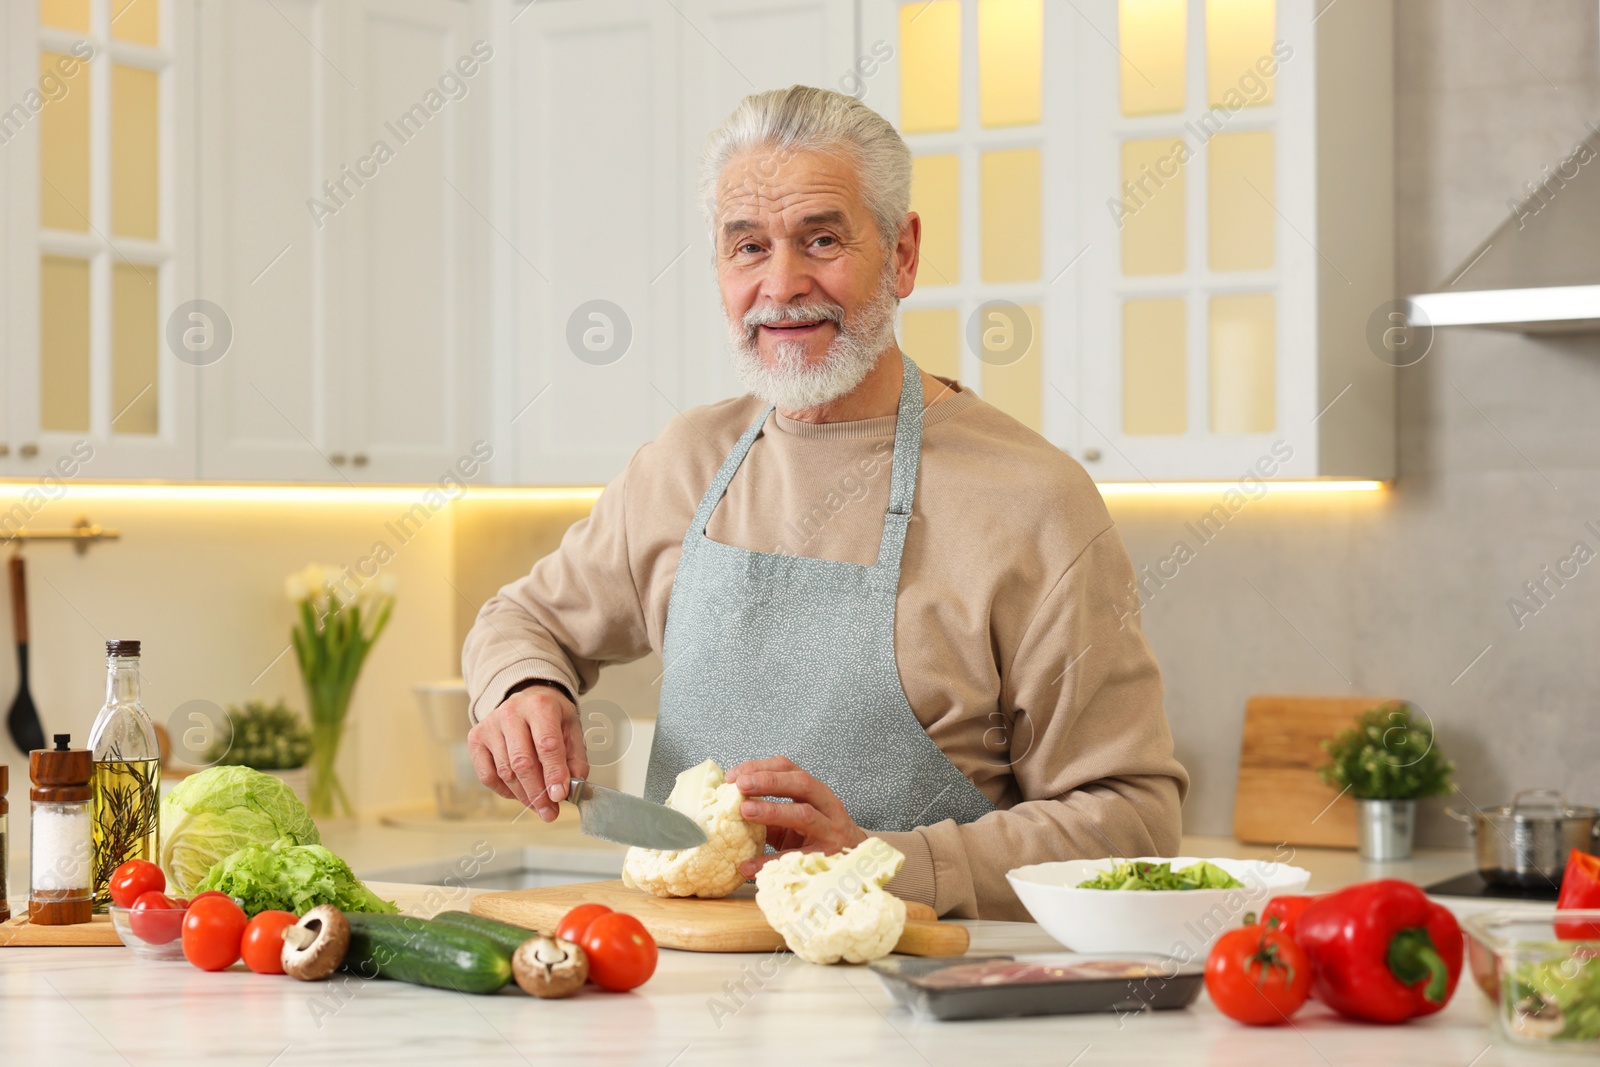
[{"x": 22, "y": 721}]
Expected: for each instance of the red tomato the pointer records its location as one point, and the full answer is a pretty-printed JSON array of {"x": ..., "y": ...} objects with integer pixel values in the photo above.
[
  {"x": 133, "y": 878},
  {"x": 213, "y": 930},
  {"x": 1257, "y": 975},
  {"x": 262, "y": 948},
  {"x": 156, "y": 918},
  {"x": 622, "y": 954},
  {"x": 209, "y": 893},
  {"x": 576, "y": 921}
]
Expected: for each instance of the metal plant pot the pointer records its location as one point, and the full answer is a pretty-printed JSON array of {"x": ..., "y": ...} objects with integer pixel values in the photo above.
[{"x": 1385, "y": 829}]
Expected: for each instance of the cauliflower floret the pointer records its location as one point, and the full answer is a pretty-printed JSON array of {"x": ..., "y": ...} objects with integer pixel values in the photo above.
[
  {"x": 832, "y": 908},
  {"x": 709, "y": 870}
]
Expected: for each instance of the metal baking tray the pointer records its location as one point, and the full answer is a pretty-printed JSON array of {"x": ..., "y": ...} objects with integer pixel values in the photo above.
[{"x": 1000, "y": 987}]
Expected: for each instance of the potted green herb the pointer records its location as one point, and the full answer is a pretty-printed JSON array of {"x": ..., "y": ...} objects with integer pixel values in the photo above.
[
  {"x": 1387, "y": 761},
  {"x": 265, "y": 737}
]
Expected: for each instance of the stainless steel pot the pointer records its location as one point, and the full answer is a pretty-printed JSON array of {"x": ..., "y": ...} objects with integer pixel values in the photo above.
[{"x": 1525, "y": 842}]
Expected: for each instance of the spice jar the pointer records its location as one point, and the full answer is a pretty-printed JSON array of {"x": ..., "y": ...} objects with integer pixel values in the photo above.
[
  {"x": 61, "y": 890},
  {"x": 5, "y": 839}
]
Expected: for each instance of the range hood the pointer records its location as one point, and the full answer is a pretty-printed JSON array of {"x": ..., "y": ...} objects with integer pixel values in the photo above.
[{"x": 1540, "y": 271}]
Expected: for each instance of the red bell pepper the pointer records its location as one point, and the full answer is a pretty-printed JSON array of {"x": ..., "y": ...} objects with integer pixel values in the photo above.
[
  {"x": 1382, "y": 950},
  {"x": 1580, "y": 888},
  {"x": 1284, "y": 912}
]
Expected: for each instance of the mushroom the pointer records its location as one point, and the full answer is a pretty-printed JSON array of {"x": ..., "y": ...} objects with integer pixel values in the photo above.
[
  {"x": 314, "y": 947},
  {"x": 1538, "y": 1017},
  {"x": 548, "y": 967}
]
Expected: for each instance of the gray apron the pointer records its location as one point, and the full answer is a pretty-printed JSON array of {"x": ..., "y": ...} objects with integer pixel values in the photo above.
[{"x": 777, "y": 655}]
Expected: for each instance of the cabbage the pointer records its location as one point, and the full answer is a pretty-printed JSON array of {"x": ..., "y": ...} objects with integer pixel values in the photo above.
[
  {"x": 284, "y": 876},
  {"x": 211, "y": 815}
]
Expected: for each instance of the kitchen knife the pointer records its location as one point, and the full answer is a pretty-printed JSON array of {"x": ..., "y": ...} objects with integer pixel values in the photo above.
[{"x": 612, "y": 815}]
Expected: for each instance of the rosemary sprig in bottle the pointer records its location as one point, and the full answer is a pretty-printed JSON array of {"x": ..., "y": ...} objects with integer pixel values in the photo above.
[{"x": 127, "y": 811}]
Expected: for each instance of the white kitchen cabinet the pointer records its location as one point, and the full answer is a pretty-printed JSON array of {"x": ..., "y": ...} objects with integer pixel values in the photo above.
[
  {"x": 598, "y": 225},
  {"x": 1206, "y": 263},
  {"x": 611, "y": 103},
  {"x": 416, "y": 332},
  {"x": 97, "y": 194},
  {"x": 344, "y": 166},
  {"x": 1251, "y": 343},
  {"x": 269, "y": 137}
]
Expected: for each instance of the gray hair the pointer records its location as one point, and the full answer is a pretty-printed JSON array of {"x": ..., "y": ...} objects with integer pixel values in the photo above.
[{"x": 805, "y": 119}]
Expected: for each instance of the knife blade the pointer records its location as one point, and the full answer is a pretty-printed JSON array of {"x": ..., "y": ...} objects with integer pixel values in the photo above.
[{"x": 612, "y": 815}]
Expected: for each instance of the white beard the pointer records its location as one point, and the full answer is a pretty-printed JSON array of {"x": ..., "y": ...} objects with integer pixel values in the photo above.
[{"x": 793, "y": 383}]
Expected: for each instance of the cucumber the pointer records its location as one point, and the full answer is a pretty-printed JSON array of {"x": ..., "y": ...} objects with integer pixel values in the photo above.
[
  {"x": 426, "y": 953},
  {"x": 509, "y": 936}
]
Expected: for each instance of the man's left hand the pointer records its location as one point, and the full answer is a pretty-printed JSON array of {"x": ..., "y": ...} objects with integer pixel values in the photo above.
[{"x": 816, "y": 821}]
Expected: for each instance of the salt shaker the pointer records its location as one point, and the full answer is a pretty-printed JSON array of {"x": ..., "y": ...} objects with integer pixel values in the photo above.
[{"x": 61, "y": 891}]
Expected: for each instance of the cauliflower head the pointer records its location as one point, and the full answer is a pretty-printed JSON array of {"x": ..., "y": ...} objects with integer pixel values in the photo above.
[
  {"x": 832, "y": 908},
  {"x": 709, "y": 870}
]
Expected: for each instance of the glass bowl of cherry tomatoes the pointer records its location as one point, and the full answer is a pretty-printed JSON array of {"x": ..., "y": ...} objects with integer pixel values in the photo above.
[{"x": 154, "y": 931}]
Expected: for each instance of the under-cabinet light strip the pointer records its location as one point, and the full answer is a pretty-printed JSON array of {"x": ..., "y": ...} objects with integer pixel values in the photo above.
[{"x": 385, "y": 494}]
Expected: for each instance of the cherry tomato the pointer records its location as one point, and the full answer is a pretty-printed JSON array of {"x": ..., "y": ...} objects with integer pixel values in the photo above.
[
  {"x": 622, "y": 954},
  {"x": 213, "y": 930},
  {"x": 1257, "y": 975},
  {"x": 576, "y": 921},
  {"x": 155, "y": 918},
  {"x": 133, "y": 878},
  {"x": 262, "y": 948}
]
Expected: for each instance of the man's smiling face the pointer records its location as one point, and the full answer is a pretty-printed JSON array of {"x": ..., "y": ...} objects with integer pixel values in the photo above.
[{"x": 808, "y": 288}]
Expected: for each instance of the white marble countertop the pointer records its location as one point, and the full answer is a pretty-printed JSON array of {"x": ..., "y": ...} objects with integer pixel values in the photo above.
[
  {"x": 71, "y": 1006},
  {"x": 83, "y": 1006}
]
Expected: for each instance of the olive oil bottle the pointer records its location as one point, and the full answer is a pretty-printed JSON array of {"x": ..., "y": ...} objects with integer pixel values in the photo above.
[{"x": 125, "y": 820}]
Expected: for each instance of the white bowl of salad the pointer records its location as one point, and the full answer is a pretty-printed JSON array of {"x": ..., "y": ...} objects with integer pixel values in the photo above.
[{"x": 1174, "y": 906}]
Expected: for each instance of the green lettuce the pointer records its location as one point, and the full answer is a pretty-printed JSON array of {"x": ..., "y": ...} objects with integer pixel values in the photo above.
[
  {"x": 1564, "y": 989},
  {"x": 211, "y": 815},
  {"x": 1160, "y": 876},
  {"x": 284, "y": 876}
]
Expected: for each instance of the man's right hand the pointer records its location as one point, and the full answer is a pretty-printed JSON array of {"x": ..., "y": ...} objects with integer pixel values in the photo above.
[{"x": 529, "y": 747}]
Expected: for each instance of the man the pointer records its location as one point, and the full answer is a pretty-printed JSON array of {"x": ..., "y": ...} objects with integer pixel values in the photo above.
[{"x": 943, "y": 658}]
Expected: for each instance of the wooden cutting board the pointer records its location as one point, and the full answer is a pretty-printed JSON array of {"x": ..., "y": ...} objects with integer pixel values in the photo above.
[
  {"x": 1279, "y": 798},
  {"x": 18, "y": 932},
  {"x": 732, "y": 924}
]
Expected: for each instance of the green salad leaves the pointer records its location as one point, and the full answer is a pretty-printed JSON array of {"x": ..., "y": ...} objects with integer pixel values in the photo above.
[
  {"x": 1139, "y": 874},
  {"x": 290, "y": 877},
  {"x": 1557, "y": 998}
]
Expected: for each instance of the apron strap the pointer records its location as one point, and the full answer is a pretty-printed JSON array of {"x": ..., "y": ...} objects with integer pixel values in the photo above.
[
  {"x": 907, "y": 458},
  {"x": 719, "y": 484},
  {"x": 902, "y": 476}
]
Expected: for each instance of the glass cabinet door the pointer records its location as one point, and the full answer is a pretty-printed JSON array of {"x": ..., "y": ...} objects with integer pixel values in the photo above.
[
  {"x": 1179, "y": 161},
  {"x": 987, "y": 119},
  {"x": 100, "y": 159}
]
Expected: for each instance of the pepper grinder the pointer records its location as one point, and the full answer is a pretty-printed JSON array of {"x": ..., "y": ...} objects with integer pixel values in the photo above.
[{"x": 61, "y": 891}]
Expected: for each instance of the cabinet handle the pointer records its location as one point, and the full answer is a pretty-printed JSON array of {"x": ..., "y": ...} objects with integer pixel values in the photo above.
[
  {"x": 28, "y": 451},
  {"x": 5, "y": 450},
  {"x": 337, "y": 459},
  {"x": 360, "y": 459},
  {"x": 1091, "y": 454}
]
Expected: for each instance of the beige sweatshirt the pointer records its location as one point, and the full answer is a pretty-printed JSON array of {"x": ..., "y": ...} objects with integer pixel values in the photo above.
[{"x": 1016, "y": 632}]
